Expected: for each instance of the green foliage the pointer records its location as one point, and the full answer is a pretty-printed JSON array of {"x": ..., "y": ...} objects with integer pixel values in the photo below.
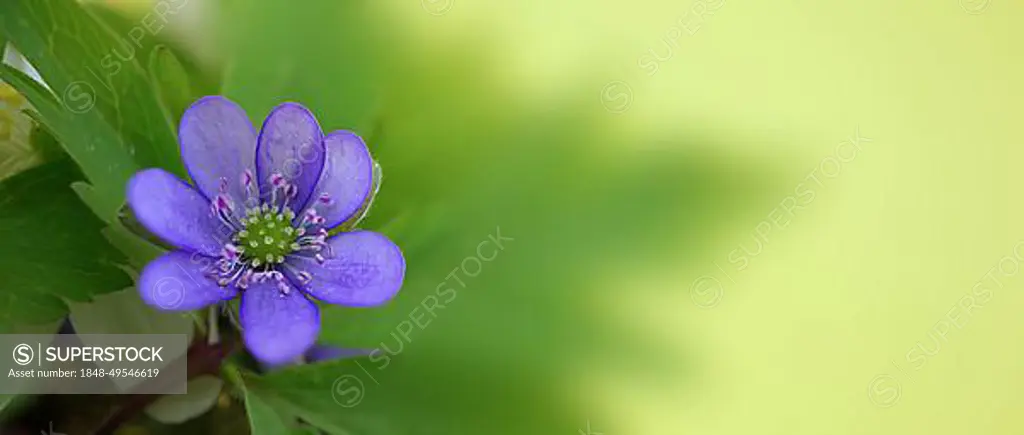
[
  {"x": 102, "y": 107},
  {"x": 123, "y": 312},
  {"x": 325, "y": 55},
  {"x": 353, "y": 396},
  {"x": 52, "y": 248},
  {"x": 175, "y": 409},
  {"x": 264, "y": 419},
  {"x": 172, "y": 82}
]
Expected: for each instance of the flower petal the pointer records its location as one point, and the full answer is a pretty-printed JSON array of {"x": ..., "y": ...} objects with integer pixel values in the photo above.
[
  {"x": 218, "y": 144},
  {"x": 346, "y": 179},
  {"x": 364, "y": 269},
  {"x": 175, "y": 282},
  {"x": 290, "y": 144},
  {"x": 278, "y": 327},
  {"x": 175, "y": 212}
]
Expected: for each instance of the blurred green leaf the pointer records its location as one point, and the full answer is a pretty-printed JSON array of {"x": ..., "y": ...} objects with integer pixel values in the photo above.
[
  {"x": 45, "y": 144},
  {"x": 123, "y": 312},
  {"x": 171, "y": 81},
  {"x": 264, "y": 419},
  {"x": 324, "y": 55},
  {"x": 52, "y": 249},
  {"x": 105, "y": 111},
  {"x": 17, "y": 152},
  {"x": 582, "y": 207},
  {"x": 354, "y": 396},
  {"x": 158, "y": 17},
  {"x": 136, "y": 244},
  {"x": 178, "y": 408},
  {"x": 12, "y": 404}
]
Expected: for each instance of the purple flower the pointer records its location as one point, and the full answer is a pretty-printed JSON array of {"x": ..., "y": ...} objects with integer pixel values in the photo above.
[{"x": 256, "y": 224}]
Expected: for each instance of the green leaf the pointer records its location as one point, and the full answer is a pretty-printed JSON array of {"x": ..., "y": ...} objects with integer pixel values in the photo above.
[
  {"x": 135, "y": 243},
  {"x": 52, "y": 247},
  {"x": 89, "y": 142},
  {"x": 178, "y": 408},
  {"x": 172, "y": 83},
  {"x": 324, "y": 54},
  {"x": 6, "y": 399},
  {"x": 124, "y": 312},
  {"x": 356, "y": 396},
  {"x": 105, "y": 111},
  {"x": 13, "y": 404},
  {"x": 122, "y": 20},
  {"x": 264, "y": 419}
]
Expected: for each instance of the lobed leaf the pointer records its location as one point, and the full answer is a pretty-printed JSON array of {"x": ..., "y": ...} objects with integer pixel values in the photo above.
[{"x": 52, "y": 247}]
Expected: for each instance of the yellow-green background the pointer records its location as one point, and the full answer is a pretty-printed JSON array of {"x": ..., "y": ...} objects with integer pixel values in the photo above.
[{"x": 859, "y": 277}]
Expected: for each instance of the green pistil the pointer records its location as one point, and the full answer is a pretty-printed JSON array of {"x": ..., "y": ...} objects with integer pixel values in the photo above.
[{"x": 267, "y": 236}]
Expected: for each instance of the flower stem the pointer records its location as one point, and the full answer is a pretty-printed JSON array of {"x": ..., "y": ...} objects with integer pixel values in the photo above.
[{"x": 212, "y": 332}]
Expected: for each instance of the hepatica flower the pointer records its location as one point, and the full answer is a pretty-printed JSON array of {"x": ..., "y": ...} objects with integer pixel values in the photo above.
[{"x": 255, "y": 225}]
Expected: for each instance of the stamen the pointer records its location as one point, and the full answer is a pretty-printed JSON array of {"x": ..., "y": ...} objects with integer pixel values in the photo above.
[
  {"x": 223, "y": 209},
  {"x": 224, "y": 281},
  {"x": 290, "y": 192},
  {"x": 230, "y": 251},
  {"x": 282, "y": 283},
  {"x": 243, "y": 282},
  {"x": 247, "y": 181},
  {"x": 311, "y": 218}
]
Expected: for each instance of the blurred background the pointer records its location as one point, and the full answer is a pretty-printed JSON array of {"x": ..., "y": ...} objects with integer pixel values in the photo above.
[{"x": 713, "y": 216}]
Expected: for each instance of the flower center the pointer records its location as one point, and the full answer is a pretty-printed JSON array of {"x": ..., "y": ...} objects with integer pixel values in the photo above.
[{"x": 266, "y": 236}]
